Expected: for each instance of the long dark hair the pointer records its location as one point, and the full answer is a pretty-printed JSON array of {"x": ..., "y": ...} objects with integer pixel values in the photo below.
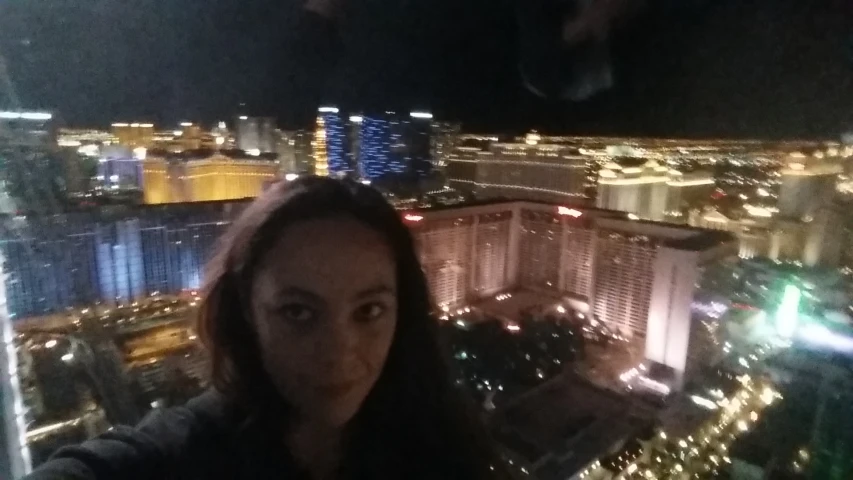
[{"x": 414, "y": 415}]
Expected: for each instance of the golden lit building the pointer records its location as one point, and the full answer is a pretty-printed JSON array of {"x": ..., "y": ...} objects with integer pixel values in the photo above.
[
  {"x": 190, "y": 137},
  {"x": 155, "y": 180},
  {"x": 134, "y": 135},
  {"x": 218, "y": 177},
  {"x": 321, "y": 157}
]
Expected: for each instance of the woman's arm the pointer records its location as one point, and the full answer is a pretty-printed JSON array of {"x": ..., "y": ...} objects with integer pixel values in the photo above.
[{"x": 165, "y": 443}]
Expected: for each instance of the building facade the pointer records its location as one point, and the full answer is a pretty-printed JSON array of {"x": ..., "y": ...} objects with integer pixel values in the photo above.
[
  {"x": 256, "y": 134},
  {"x": 520, "y": 170},
  {"x": 445, "y": 138},
  {"x": 806, "y": 188},
  {"x": 134, "y": 135},
  {"x": 637, "y": 277},
  {"x": 213, "y": 178},
  {"x": 331, "y": 143}
]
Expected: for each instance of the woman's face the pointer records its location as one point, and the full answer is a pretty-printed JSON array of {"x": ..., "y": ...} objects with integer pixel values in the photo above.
[{"x": 324, "y": 306}]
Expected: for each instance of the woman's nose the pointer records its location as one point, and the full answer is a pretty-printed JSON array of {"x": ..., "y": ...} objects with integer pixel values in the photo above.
[{"x": 338, "y": 338}]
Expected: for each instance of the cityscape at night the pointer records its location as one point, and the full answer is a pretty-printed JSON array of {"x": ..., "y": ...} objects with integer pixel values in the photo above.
[{"x": 621, "y": 304}]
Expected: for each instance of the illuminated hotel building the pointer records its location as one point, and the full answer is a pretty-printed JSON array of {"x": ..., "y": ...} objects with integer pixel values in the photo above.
[
  {"x": 444, "y": 139},
  {"x": 651, "y": 191},
  {"x": 527, "y": 170},
  {"x": 26, "y": 140},
  {"x": 134, "y": 135},
  {"x": 806, "y": 187},
  {"x": 256, "y": 134},
  {"x": 638, "y": 277},
  {"x": 416, "y": 137},
  {"x": 374, "y": 147},
  {"x": 219, "y": 177},
  {"x": 85, "y": 257},
  {"x": 321, "y": 154},
  {"x": 640, "y": 190},
  {"x": 687, "y": 191},
  {"x": 330, "y": 143}
]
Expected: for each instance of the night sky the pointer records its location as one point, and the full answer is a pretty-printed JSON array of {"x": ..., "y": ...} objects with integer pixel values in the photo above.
[{"x": 742, "y": 68}]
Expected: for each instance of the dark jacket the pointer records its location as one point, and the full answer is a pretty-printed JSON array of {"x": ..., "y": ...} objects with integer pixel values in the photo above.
[
  {"x": 201, "y": 440},
  {"x": 208, "y": 439}
]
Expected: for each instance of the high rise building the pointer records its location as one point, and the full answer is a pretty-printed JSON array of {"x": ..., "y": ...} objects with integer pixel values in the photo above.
[
  {"x": 207, "y": 178},
  {"x": 354, "y": 133},
  {"x": 256, "y": 135},
  {"x": 318, "y": 147},
  {"x": 134, "y": 135},
  {"x": 33, "y": 174},
  {"x": 806, "y": 187},
  {"x": 391, "y": 146},
  {"x": 375, "y": 147},
  {"x": 295, "y": 153},
  {"x": 637, "y": 277},
  {"x": 525, "y": 169},
  {"x": 303, "y": 154},
  {"x": 445, "y": 138},
  {"x": 109, "y": 256},
  {"x": 331, "y": 144},
  {"x": 417, "y": 136},
  {"x": 26, "y": 138},
  {"x": 638, "y": 189}
]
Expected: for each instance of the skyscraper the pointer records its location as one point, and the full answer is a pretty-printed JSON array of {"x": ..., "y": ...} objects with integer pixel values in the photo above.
[
  {"x": 375, "y": 147},
  {"x": 256, "y": 134},
  {"x": 26, "y": 142},
  {"x": 417, "y": 135},
  {"x": 331, "y": 140},
  {"x": 444, "y": 140},
  {"x": 354, "y": 133},
  {"x": 295, "y": 153},
  {"x": 32, "y": 172}
]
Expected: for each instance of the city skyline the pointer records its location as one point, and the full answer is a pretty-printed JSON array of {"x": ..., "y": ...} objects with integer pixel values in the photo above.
[{"x": 635, "y": 244}]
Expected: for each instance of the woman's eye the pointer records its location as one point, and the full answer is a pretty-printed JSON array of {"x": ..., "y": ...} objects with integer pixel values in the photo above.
[
  {"x": 297, "y": 313},
  {"x": 369, "y": 312}
]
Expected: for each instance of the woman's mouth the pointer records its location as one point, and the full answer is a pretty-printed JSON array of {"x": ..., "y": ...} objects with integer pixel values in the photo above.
[{"x": 336, "y": 389}]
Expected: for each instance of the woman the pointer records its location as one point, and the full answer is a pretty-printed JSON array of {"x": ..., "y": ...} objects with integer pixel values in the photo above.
[{"x": 326, "y": 362}]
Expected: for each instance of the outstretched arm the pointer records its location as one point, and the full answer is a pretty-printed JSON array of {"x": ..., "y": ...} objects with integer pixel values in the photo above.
[{"x": 164, "y": 444}]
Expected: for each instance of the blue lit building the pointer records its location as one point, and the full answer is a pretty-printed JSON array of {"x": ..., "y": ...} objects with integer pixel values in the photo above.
[
  {"x": 384, "y": 148},
  {"x": 336, "y": 140},
  {"x": 375, "y": 145},
  {"x": 393, "y": 145},
  {"x": 56, "y": 262}
]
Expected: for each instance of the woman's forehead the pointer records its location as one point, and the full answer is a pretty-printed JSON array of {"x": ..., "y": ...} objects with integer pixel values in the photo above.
[{"x": 328, "y": 255}]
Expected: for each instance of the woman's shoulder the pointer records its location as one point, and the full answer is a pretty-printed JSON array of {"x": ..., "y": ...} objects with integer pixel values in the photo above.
[{"x": 180, "y": 442}]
